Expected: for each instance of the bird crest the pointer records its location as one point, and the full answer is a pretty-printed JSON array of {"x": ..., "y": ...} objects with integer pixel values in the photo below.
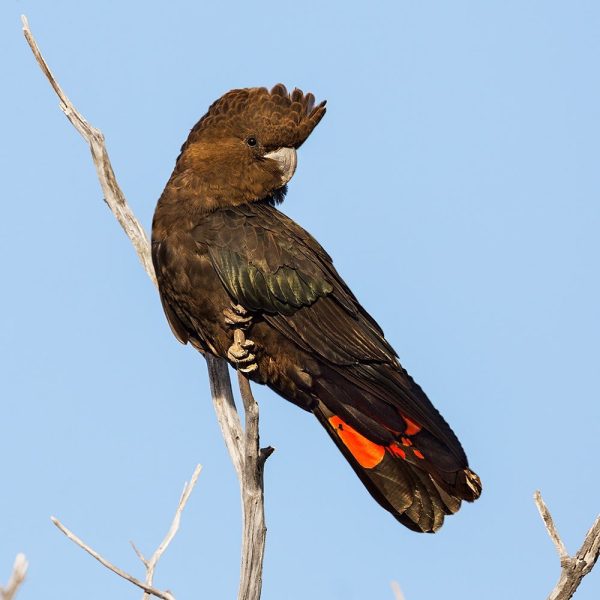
[{"x": 275, "y": 118}]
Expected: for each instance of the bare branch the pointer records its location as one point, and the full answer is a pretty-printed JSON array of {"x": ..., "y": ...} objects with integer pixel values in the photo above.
[
  {"x": 398, "y": 595},
  {"x": 252, "y": 484},
  {"x": 239, "y": 445},
  {"x": 185, "y": 496},
  {"x": 573, "y": 568},
  {"x": 110, "y": 188},
  {"x": 108, "y": 565},
  {"x": 227, "y": 414},
  {"x": 150, "y": 565},
  {"x": 139, "y": 554},
  {"x": 552, "y": 532},
  {"x": 17, "y": 577}
]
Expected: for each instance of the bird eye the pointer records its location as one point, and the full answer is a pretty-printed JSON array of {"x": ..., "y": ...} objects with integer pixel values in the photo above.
[{"x": 251, "y": 141}]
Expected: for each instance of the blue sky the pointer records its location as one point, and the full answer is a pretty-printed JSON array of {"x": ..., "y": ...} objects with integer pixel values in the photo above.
[{"x": 455, "y": 182}]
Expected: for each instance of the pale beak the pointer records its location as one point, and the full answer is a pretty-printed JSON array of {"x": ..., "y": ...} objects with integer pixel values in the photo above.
[{"x": 287, "y": 161}]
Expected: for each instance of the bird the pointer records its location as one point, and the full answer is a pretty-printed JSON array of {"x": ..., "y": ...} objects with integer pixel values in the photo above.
[{"x": 240, "y": 280}]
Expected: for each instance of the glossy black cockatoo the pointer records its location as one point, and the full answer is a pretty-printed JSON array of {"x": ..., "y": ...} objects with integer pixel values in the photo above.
[{"x": 240, "y": 280}]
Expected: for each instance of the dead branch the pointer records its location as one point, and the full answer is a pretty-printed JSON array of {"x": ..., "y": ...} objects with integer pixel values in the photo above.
[
  {"x": 252, "y": 486},
  {"x": 573, "y": 568},
  {"x": 113, "y": 195},
  {"x": 398, "y": 595},
  {"x": 251, "y": 478},
  {"x": 227, "y": 414},
  {"x": 77, "y": 540},
  {"x": 150, "y": 564},
  {"x": 17, "y": 577}
]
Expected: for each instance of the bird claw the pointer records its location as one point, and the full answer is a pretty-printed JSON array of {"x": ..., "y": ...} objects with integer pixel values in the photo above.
[
  {"x": 239, "y": 352},
  {"x": 237, "y": 316}
]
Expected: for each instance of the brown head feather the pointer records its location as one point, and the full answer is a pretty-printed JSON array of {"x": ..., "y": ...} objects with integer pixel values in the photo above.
[
  {"x": 232, "y": 155},
  {"x": 277, "y": 118}
]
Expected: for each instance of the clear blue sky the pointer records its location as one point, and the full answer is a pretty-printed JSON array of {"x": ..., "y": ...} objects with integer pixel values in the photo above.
[{"x": 455, "y": 181}]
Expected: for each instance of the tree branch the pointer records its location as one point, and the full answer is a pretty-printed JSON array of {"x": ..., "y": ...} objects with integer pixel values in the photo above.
[
  {"x": 17, "y": 577},
  {"x": 113, "y": 196},
  {"x": 249, "y": 470},
  {"x": 252, "y": 492},
  {"x": 225, "y": 408},
  {"x": 150, "y": 565},
  {"x": 573, "y": 568},
  {"x": 148, "y": 589},
  {"x": 398, "y": 595}
]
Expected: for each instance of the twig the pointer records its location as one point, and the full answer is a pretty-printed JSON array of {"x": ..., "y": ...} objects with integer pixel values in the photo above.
[
  {"x": 398, "y": 595},
  {"x": 151, "y": 564},
  {"x": 17, "y": 577},
  {"x": 113, "y": 195},
  {"x": 108, "y": 565},
  {"x": 220, "y": 382},
  {"x": 573, "y": 568},
  {"x": 550, "y": 527}
]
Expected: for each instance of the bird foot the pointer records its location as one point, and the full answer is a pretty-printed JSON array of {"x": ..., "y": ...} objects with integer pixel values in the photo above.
[
  {"x": 237, "y": 316},
  {"x": 239, "y": 353}
]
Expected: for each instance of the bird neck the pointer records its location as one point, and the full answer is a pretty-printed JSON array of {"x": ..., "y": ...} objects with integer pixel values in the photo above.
[{"x": 187, "y": 198}]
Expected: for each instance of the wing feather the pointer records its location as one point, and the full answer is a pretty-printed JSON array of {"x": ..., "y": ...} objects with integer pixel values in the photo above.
[{"x": 270, "y": 265}]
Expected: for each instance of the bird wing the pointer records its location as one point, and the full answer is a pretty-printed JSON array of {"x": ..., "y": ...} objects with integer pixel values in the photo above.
[
  {"x": 397, "y": 442},
  {"x": 269, "y": 264}
]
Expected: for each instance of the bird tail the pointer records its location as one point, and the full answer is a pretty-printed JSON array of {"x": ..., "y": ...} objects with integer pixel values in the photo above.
[{"x": 411, "y": 474}]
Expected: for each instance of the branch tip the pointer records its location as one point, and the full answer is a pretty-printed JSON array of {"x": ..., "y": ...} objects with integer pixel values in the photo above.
[
  {"x": 573, "y": 568},
  {"x": 17, "y": 577},
  {"x": 265, "y": 453},
  {"x": 398, "y": 595},
  {"x": 550, "y": 527}
]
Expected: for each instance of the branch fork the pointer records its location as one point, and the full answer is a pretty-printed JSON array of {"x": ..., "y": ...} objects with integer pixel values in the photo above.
[{"x": 573, "y": 568}]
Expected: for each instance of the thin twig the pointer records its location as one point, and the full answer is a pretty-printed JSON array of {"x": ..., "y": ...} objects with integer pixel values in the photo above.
[
  {"x": 550, "y": 527},
  {"x": 113, "y": 195},
  {"x": 220, "y": 382},
  {"x": 151, "y": 564},
  {"x": 17, "y": 577},
  {"x": 398, "y": 595},
  {"x": 108, "y": 565},
  {"x": 139, "y": 554},
  {"x": 573, "y": 568}
]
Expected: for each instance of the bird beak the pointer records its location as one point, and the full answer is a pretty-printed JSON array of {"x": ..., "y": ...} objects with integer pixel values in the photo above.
[{"x": 286, "y": 160}]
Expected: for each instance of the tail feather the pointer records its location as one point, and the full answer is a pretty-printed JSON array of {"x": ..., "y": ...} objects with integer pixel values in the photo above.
[{"x": 412, "y": 476}]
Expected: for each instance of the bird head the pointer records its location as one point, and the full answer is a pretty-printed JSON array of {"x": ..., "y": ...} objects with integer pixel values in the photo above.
[{"x": 244, "y": 148}]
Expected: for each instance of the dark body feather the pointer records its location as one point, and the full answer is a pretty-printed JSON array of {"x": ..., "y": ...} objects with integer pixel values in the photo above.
[{"x": 314, "y": 344}]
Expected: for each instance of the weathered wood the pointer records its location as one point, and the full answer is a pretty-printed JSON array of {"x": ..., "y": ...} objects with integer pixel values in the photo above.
[{"x": 573, "y": 568}]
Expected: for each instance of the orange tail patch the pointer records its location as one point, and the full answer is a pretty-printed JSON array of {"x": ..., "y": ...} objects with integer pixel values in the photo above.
[
  {"x": 397, "y": 451},
  {"x": 367, "y": 453}
]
